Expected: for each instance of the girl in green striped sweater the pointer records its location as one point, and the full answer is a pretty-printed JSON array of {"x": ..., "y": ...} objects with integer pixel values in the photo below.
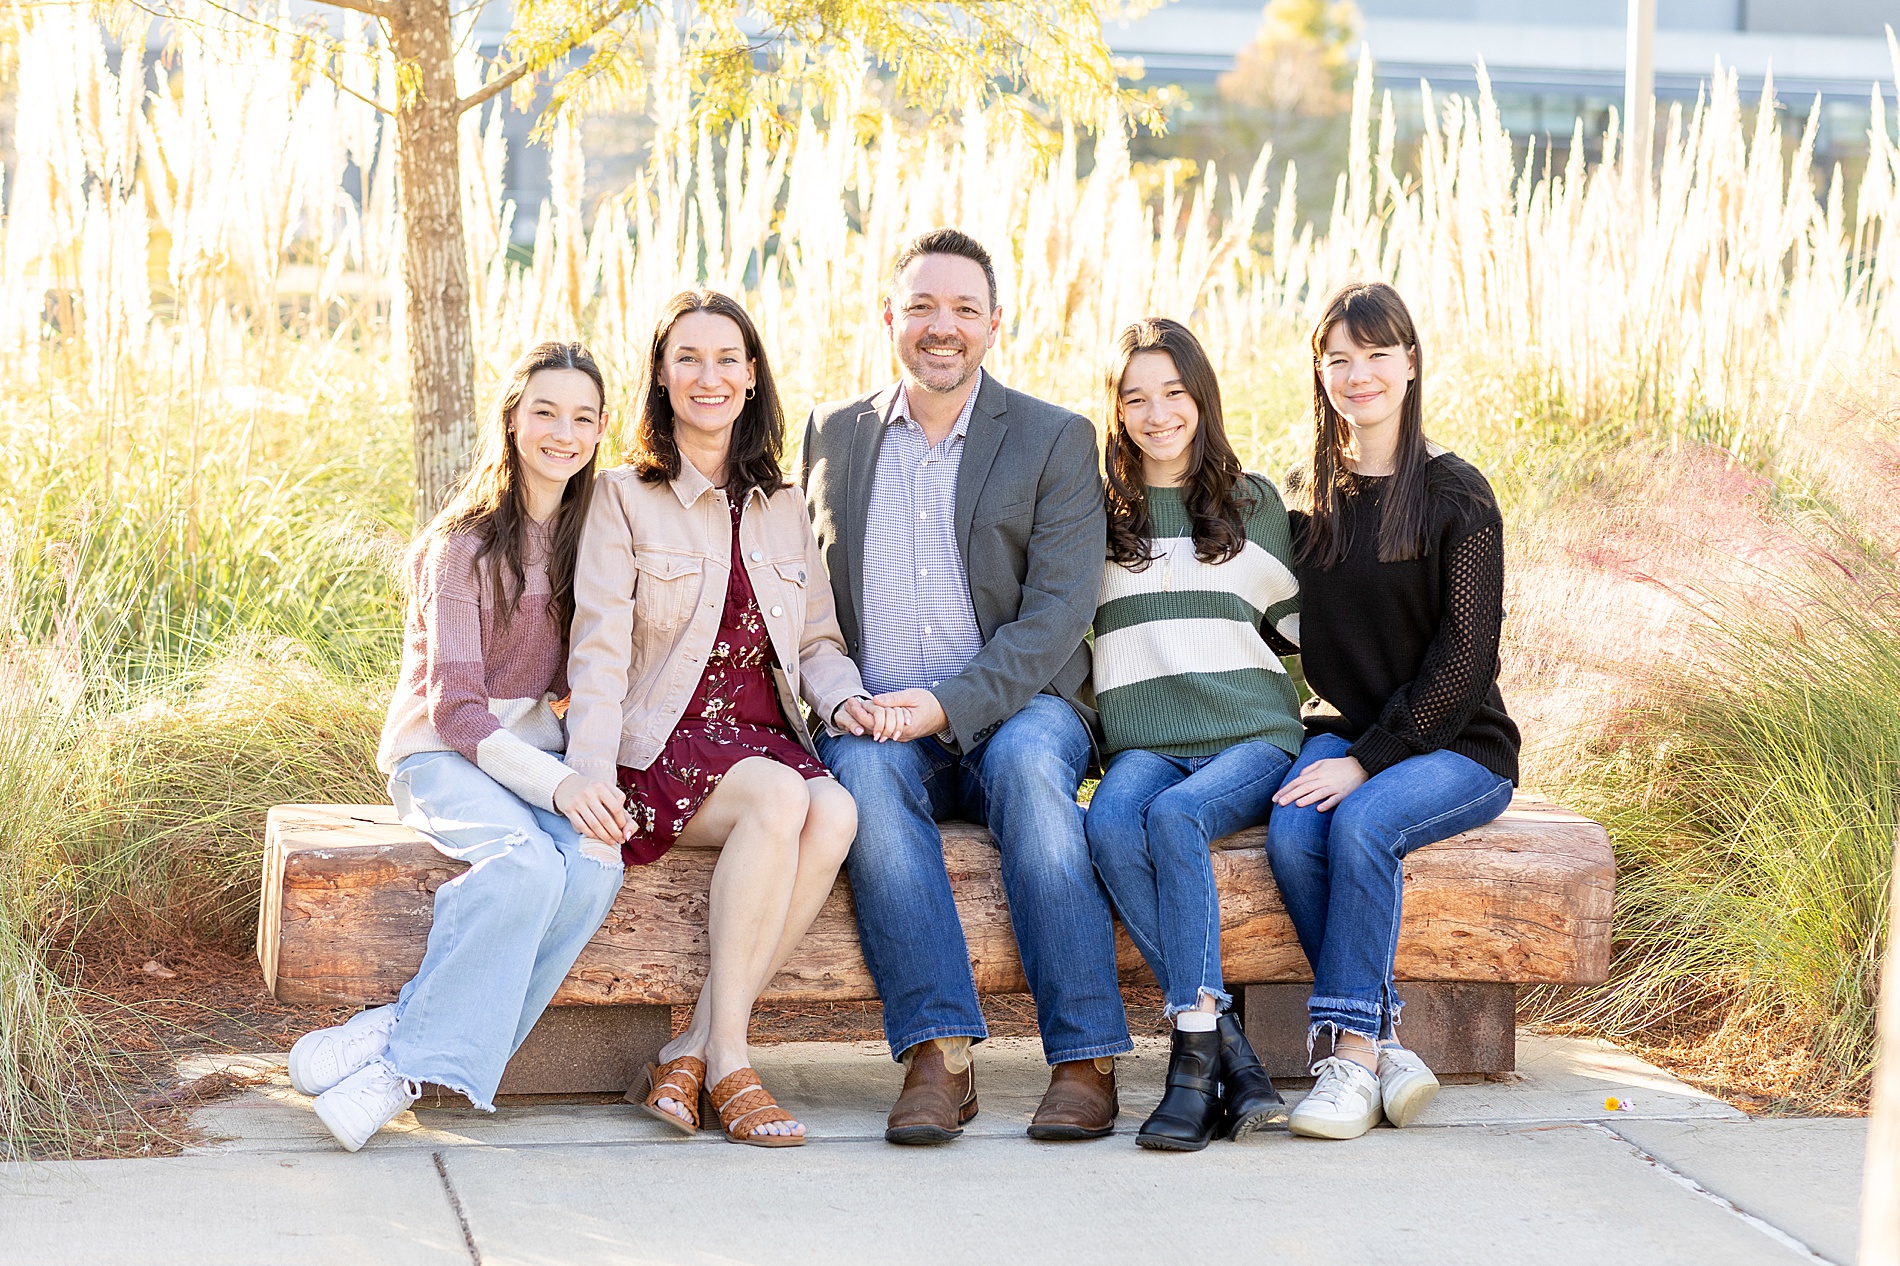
[{"x": 1200, "y": 719}]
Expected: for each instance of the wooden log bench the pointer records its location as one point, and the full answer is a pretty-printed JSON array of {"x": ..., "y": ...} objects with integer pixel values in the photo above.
[{"x": 348, "y": 895}]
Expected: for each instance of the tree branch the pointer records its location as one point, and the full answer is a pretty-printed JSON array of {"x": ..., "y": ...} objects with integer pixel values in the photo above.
[
  {"x": 375, "y": 8},
  {"x": 513, "y": 74},
  {"x": 495, "y": 87},
  {"x": 340, "y": 86}
]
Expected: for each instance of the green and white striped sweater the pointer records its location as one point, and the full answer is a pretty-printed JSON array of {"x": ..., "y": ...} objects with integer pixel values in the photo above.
[{"x": 1181, "y": 664}]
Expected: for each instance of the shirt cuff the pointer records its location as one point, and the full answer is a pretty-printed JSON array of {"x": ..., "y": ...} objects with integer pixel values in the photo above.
[
  {"x": 522, "y": 767},
  {"x": 1378, "y": 749}
]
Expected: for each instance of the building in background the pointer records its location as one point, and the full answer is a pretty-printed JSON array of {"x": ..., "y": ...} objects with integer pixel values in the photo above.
[{"x": 1552, "y": 63}]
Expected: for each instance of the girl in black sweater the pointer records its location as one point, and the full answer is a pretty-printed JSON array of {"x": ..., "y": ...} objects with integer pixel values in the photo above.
[{"x": 1399, "y": 551}]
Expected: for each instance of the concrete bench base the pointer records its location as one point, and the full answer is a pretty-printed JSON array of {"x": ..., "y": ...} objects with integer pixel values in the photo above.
[{"x": 1456, "y": 1027}]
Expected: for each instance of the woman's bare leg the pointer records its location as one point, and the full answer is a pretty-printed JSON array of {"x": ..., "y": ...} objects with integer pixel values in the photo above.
[
  {"x": 754, "y": 817},
  {"x": 831, "y": 823}
]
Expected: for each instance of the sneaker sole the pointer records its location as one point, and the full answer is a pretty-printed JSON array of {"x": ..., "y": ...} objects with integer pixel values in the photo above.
[
  {"x": 336, "y": 1130},
  {"x": 1335, "y": 1130},
  {"x": 1411, "y": 1101}
]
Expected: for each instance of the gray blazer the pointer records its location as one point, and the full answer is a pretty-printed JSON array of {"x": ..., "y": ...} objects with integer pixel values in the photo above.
[{"x": 1030, "y": 527}]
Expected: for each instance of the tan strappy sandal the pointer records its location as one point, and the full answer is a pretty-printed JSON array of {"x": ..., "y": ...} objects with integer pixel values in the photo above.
[
  {"x": 680, "y": 1080},
  {"x": 744, "y": 1105}
]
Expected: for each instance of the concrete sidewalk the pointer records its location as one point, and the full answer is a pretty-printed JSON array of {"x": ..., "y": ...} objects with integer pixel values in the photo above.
[{"x": 1534, "y": 1169}]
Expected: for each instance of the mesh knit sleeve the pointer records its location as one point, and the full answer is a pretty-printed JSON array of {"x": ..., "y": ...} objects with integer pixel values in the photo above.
[{"x": 1461, "y": 661}]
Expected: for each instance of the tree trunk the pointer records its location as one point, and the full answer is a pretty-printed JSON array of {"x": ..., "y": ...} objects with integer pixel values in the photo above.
[{"x": 435, "y": 258}]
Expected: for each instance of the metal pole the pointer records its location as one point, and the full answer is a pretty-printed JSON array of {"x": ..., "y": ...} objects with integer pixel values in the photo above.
[
  {"x": 1880, "y": 1184},
  {"x": 1639, "y": 88}
]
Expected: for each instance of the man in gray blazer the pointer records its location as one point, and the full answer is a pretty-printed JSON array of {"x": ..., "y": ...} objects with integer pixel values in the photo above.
[{"x": 963, "y": 529}]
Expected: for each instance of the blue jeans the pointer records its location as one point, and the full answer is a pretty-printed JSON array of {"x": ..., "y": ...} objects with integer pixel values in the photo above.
[
  {"x": 1149, "y": 827},
  {"x": 1021, "y": 782},
  {"x": 1339, "y": 872},
  {"x": 506, "y": 929}
]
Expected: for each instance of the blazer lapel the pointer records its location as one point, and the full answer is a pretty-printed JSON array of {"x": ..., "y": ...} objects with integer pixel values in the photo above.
[
  {"x": 867, "y": 437},
  {"x": 980, "y": 445}
]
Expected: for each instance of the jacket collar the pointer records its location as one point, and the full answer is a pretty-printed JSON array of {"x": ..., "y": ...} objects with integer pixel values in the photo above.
[{"x": 689, "y": 485}]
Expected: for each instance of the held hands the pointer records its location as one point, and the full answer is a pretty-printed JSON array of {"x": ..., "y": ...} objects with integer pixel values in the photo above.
[
  {"x": 595, "y": 809},
  {"x": 1323, "y": 784},
  {"x": 924, "y": 715},
  {"x": 866, "y": 717}
]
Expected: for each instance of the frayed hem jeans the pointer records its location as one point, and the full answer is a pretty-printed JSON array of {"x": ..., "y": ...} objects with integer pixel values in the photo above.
[
  {"x": 506, "y": 929},
  {"x": 1149, "y": 826},
  {"x": 1340, "y": 872}
]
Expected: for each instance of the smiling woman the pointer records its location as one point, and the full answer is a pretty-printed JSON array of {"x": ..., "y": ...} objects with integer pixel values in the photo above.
[
  {"x": 702, "y": 618},
  {"x": 472, "y": 749},
  {"x": 1199, "y": 717},
  {"x": 1399, "y": 550}
]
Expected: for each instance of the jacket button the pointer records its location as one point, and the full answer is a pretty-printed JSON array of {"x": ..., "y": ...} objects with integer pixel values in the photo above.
[
  {"x": 756, "y": 556},
  {"x": 777, "y": 611}
]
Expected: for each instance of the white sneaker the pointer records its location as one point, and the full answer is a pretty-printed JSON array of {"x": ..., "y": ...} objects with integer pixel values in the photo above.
[
  {"x": 364, "y": 1102},
  {"x": 322, "y": 1058},
  {"x": 1406, "y": 1086},
  {"x": 1343, "y": 1103}
]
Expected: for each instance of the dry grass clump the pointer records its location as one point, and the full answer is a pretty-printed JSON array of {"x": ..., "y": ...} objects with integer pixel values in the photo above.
[
  {"x": 168, "y": 797},
  {"x": 1750, "y": 788}
]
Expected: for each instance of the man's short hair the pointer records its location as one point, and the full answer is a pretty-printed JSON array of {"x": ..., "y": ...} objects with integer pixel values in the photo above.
[{"x": 947, "y": 242}]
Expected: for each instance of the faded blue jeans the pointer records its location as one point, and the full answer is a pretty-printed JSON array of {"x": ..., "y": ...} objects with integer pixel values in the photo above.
[
  {"x": 506, "y": 929},
  {"x": 1021, "y": 782},
  {"x": 1149, "y": 827},
  {"x": 1340, "y": 876}
]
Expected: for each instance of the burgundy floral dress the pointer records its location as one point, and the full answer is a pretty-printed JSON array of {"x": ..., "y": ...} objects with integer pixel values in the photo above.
[{"x": 734, "y": 714}]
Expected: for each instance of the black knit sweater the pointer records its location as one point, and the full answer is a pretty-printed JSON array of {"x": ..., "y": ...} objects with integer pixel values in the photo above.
[{"x": 1403, "y": 656}]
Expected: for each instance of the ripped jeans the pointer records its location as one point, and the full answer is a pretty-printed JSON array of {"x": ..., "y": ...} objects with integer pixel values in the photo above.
[
  {"x": 1340, "y": 873},
  {"x": 1149, "y": 827},
  {"x": 506, "y": 929}
]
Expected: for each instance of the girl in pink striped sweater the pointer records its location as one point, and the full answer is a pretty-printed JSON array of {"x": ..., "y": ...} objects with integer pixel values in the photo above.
[{"x": 473, "y": 748}]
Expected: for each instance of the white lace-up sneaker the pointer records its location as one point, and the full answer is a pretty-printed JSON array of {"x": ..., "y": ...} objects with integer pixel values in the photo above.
[
  {"x": 322, "y": 1058},
  {"x": 1406, "y": 1086},
  {"x": 364, "y": 1102},
  {"x": 1343, "y": 1103}
]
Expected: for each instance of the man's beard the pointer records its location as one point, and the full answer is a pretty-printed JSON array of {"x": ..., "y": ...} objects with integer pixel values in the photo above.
[{"x": 938, "y": 376}]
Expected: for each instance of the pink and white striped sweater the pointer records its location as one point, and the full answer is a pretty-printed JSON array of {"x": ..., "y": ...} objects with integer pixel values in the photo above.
[{"x": 473, "y": 684}]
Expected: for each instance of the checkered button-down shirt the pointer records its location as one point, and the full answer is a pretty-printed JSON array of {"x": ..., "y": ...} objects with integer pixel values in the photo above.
[{"x": 919, "y": 627}]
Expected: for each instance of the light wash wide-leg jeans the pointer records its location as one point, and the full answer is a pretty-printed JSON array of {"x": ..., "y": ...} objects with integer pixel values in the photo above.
[{"x": 506, "y": 929}]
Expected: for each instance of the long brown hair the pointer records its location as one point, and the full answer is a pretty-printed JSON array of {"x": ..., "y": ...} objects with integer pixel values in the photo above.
[
  {"x": 1375, "y": 316},
  {"x": 490, "y": 502},
  {"x": 1211, "y": 492},
  {"x": 758, "y": 436}
]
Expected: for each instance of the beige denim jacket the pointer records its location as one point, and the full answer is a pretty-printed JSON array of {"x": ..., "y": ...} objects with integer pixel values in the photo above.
[{"x": 649, "y": 586}]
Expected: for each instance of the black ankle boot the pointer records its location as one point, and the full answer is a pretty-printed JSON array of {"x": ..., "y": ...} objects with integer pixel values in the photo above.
[
  {"x": 1251, "y": 1100},
  {"x": 1189, "y": 1114}
]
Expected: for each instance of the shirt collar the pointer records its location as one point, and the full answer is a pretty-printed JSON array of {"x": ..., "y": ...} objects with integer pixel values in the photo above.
[{"x": 900, "y": 408}]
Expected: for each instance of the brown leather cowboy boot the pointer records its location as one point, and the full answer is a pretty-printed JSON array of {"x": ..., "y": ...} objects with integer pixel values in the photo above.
[
  {"x": 1080, "y": 1103},
  {"x": 939, "y": 1093}
]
